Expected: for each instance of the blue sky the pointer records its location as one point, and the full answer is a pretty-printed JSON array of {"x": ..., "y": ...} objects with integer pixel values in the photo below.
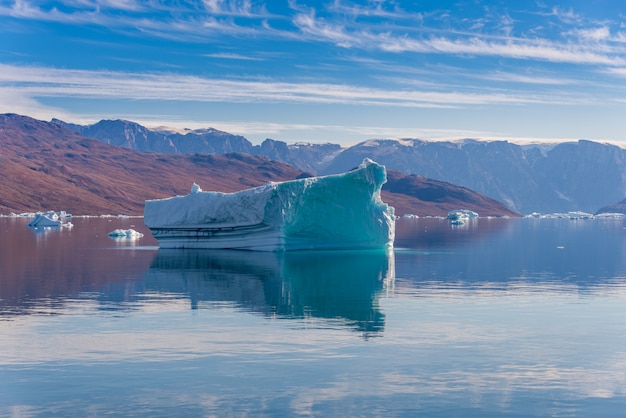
[{"x": 323, "y": 71}]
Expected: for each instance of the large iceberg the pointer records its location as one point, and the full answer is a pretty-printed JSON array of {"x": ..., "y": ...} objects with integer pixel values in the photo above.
[{"x": 342, "y": 211}]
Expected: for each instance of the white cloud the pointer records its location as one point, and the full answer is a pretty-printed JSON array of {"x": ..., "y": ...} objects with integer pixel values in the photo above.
[
  {"x": 594, "y": 34},
  {"x": 230, "y": 7},
  {"x": 225, "y": 55},
  {"x": 529, "y": 78},
  {"x": 13, "y": 100},
  {"x": 51, "y": 82},
  {"x": 310, "y": 25},
  {"x": 618, "y": 71},
  {"x": 398, "y": 33},
  {"x": 375, "y": 8},
  {"x": 567, "y": 16},
  {"x": 519, "y": 48}
]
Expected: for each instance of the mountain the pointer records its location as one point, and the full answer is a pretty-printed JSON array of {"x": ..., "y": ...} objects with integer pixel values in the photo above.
[
  {"x": 311, "y": 158},
  {"x": 123, "y": 133},
  {"x": 45, "y": 165},
  {"x": 420, "y": 195},
  {"x": 619, "y": 207},
  {"x": 581, "y": 175}
]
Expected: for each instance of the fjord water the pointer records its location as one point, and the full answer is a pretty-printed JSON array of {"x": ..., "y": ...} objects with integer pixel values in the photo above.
[{"x": 518, "y": 317}]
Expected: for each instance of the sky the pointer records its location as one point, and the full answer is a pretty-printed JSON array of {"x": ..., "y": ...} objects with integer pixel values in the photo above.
[{"x": 337, "y": 71}]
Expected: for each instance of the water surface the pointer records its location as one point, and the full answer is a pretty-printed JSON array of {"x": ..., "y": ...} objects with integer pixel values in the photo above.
[{"x": 517, "y": 317}]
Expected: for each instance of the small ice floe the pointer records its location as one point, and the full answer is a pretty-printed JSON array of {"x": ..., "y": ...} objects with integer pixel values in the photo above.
[
  {"x": 578, "y": 215},
  {"x": 574, "y": 215},
  {"x": 534, "y": 215},
  {"x": 409, "y": 216},
  {"x": 610, "y": 215},
  {"x": 125, "y": 234}
]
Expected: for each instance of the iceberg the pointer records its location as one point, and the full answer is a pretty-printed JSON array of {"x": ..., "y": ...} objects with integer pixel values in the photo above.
[
  {"x": 462, "y": 214},
  {"x": 48, "y": 219},
  {"x": 459, "y": 216},
  {"x": 125, "y": 233},
  {"x": 342, "y": 211}
]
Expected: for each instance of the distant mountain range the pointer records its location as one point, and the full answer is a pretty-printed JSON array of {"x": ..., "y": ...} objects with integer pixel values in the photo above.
[
  {"x": 582, "y": 175},
  {"x": 310, "y": 158},
  {"x": 52, "y": 166}
]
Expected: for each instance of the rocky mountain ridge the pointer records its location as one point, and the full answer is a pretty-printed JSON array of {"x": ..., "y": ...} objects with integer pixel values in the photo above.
[
  {"x": 127, "y": 134},
  {"x": 46, "y": 166},
  {"x": 571, "y": 176},
  {"x": 582, "y": 175}
]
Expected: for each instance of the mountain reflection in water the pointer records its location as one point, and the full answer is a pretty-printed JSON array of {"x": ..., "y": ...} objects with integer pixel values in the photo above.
[{"x": 342, "y": 285}]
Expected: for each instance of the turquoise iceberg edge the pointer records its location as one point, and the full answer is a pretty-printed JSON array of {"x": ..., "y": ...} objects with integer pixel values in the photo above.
[{"x": 342, "y": 211}]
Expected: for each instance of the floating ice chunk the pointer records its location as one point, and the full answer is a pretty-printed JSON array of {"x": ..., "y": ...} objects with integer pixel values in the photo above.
[
  {"x": 125, "y": 233},
  {"x": 579, "y": 215},
  {"x": 460, "y": 214},
  {"x": 566, "y": 215},
  {"x": 409, "y": 216},
  {"x": 534, "y": 215},
  {"x": 49, "y": 219},
  {"x": 329, "y": 212},
  {"x": 610, "y": 215},
  {"x": 44, "y": 220}
]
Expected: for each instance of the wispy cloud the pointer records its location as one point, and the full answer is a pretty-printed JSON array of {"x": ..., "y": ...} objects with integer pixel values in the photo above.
[
  {"x": 243, "y": 8},
  {"x": 233, "y": 57},
  {"x": 529, "y": 78},
  {"x": 51, "y": 82},
  {"x": 14, "y": 100},
  {"x": 379, "y": 26},
  {"x": 519, "y": 48},
  {"x": 151, "y": 17},
  {"x": 618, "y": 71}
]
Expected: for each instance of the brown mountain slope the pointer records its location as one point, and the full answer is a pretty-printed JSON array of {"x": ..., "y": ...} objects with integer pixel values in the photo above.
[
  {"x": 619, "y": 207},
  {"x": 427, "y": 197},
  {"x": 44, "y": 166}
]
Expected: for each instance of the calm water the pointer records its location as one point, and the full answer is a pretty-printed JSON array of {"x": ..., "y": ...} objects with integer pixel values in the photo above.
[{"x": 515, "y": 318}]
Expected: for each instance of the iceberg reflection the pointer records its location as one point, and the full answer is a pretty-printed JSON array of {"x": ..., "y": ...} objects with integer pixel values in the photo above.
[{"x": 338, "y": 285}]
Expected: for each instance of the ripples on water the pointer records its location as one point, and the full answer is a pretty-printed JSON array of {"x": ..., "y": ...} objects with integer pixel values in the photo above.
[{"x": 499, "y": 318}]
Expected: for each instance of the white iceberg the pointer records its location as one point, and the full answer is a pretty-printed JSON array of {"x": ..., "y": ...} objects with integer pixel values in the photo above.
[
  {"x": 459, "y": 216},
  {"x": 341, "y": 211},
  {"x": 43, "y": 220},
  {"x": 125, "y": 233},
  {"x": 574, "y": 215},
  {"x": 47, "y": 220}
]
